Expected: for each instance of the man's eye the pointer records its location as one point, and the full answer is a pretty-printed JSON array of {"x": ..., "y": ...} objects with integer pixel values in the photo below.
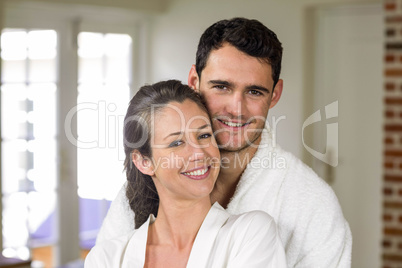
[
  {"x": 255, "y": 92},
  {"x": 175, "y": 144},
  {"x": 205, "y": 136},
  {"x": 220, "y": 87}
]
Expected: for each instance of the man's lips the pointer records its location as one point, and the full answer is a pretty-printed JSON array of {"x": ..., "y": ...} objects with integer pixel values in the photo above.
[
  {"x": 232, "y": 124},
  {"x": 198, "y": 174}
]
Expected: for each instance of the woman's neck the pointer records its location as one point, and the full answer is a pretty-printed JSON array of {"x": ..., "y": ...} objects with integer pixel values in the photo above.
[{"x": 178, "y": 223}]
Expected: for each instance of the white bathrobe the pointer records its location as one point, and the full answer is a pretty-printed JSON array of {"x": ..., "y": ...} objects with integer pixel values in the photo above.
[
  {"x": 246, "y": 240},
  {"x": 310, "y": 221}
]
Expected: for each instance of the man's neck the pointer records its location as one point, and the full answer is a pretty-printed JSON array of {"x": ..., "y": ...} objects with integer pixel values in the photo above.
[{"x": 232, "y": 167}]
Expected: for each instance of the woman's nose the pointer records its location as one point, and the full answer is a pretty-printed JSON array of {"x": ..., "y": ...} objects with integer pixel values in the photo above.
[
  {"x": 197, "y": 155},
  {"x": 196, "y": 150}
]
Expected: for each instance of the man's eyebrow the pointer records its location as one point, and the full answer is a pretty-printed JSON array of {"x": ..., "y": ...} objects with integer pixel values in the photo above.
[
  {"x": 229, "y": 84},
  {"x": 220, "y": 82}
]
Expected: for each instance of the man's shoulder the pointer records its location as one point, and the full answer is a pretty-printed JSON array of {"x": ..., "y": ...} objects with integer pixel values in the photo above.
[
  {"x": 301, "y": 187},
  {"x": 300, "y": 173},
  {"x": 274, "y": 158},
  {"x": 119, "y": 219},
  {"x": 304, "y": 180},
  {"x": 292, "y": 176}
]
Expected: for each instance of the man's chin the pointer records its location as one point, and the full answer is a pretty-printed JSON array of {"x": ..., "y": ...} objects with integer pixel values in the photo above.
[
  {"x": 231, "y": 146},
  {"x": 234, "y": 147}
]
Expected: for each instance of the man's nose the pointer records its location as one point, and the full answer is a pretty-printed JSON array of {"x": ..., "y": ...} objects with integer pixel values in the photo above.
[{"x": 234, "y": 105}]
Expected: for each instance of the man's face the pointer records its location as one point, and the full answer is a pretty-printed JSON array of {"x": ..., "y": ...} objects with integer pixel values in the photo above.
[{"x": 237, "y": 89}]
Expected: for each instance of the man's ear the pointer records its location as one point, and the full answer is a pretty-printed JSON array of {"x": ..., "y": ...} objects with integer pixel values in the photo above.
[
  {"x": 276, "y": 95},
  {"x": 193, "y": 79},
  {"x": 143, "y": 164}
]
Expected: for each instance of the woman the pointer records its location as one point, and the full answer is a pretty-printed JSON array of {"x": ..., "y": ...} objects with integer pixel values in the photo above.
[{"x": 172, "y": 163}]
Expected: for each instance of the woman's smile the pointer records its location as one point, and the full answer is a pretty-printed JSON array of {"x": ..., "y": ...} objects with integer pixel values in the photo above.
[{"x": 198, "y": 173}]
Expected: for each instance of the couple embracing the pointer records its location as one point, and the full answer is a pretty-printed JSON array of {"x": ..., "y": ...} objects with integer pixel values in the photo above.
[{"x": 202, "y": 208}]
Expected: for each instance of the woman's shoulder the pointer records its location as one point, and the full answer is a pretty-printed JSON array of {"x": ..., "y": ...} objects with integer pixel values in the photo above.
[
  {"x": 123, "y": 251},
  {"x": 108, "y": 252},
  {"x": 250, "y": 240},
  {"x": 117, "y": 242},
  {"x": 253, "y": 218},
  {"x": 249, "y": 225}
]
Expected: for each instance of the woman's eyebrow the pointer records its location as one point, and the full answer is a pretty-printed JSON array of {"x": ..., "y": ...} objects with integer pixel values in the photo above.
[
  {"x": 181, "y": 132},
  {"x": 173, "y": 134},
  {"x": 204, "y": 126}
]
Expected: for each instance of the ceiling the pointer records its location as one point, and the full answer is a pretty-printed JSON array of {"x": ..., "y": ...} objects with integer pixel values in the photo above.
[{"x": 143, "y": 5}]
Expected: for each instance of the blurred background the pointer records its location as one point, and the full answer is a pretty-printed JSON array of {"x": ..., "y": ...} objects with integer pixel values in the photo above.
[{"x": 69, "y": 68}]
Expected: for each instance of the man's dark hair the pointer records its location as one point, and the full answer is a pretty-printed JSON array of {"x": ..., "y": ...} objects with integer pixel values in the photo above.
[{"x": 247, "y": 35}]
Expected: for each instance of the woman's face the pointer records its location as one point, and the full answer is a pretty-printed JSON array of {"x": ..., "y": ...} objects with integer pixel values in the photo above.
[{"x": 185, "y": 156}]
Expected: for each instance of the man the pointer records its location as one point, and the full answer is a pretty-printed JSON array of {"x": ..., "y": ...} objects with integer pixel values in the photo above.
[{"x": 237, "y": 72}]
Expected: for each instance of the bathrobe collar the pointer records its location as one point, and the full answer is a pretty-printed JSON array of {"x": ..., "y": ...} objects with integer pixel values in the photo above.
[{"x": 217, "y": 216}]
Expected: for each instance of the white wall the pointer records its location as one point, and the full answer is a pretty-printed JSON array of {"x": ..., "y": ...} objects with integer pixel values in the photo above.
[
  {"x": 344, "y": 73},
  {"x": 175, "y": 34}
]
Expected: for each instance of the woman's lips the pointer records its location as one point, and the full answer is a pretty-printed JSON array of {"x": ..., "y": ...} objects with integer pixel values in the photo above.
[{"x": 197, "y": 174}]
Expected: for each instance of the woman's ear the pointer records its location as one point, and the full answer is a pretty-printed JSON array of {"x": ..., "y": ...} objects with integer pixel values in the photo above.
[{"x": 143, "y": 164}]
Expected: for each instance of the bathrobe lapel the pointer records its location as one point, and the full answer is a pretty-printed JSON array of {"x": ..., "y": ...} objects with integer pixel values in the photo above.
[
  {"x": 215, "y": 219},
  {"x": 134, "y": 255}
]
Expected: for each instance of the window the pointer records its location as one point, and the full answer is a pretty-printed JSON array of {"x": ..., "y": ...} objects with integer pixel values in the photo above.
[
  {"x": 41, "y": 67},
  {"x": 28, "y": 121},
  {"x": 103, "y": 95}
]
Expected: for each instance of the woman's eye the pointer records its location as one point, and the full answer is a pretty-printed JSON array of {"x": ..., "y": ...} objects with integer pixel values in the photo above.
[
  {"x": 205, "y": 136},
  {"x": 175, "y": 144}
]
